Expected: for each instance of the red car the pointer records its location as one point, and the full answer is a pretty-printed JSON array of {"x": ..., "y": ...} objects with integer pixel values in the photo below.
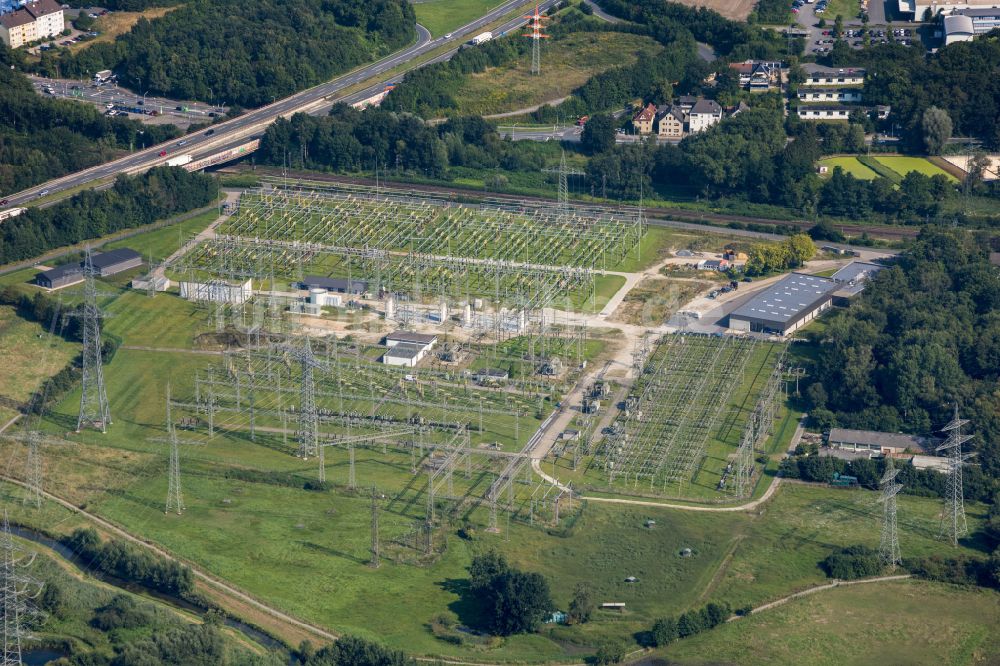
[{"x": 163, "y": 153}]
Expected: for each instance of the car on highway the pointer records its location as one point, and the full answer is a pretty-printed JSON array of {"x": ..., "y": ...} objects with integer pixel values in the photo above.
[
  {"x": 42, "y": 193},
  {"x": 210, "y": 132},
  {"x": 4, "y": 202},
  {"x": 448, "y": 36},
  {"x": 181, "y": 143},
  {"x": 163, "y": 153}
]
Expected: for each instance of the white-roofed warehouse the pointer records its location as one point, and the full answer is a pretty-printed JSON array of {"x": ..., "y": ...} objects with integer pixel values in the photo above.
[{"x": 785, "y": 306}]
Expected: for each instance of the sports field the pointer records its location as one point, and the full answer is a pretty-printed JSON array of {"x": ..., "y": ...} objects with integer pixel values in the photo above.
[
  {"x": 904, "y": 165},
  {"x": 850, "y": 165},
  {"x": 898, "y": 164}
]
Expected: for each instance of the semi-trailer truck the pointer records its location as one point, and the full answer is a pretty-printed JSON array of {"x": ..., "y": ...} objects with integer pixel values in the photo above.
[{"x": 482, "y": 38}]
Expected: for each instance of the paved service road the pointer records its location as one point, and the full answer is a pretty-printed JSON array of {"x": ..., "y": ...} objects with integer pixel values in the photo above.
[{"x": 253, "y": 124}]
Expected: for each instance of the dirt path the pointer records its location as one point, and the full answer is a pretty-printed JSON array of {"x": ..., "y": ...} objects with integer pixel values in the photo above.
[
  {"x": 820, "y": 588},
  {"x": 527, "y": 109},
  {"x": 220, "y": 586},
  {"x": 11, "y": 422}
]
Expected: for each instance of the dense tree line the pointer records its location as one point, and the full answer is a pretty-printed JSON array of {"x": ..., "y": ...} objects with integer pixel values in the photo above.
[
  {"x": 246, "y": 53},
  {"x": 771, "y": 11},
  {"x": 513, "y": 601},
  {"x": 352, "y": 140},
  {"x": 43, "y": 138},
  {"x": 128, "y": 563},
  {"x": 668, "y": 629},
  {"x": 959, "y": 78},
  {"x": 923, "y": 336},
  {"x": 922, "y": 482},
  {"x": 852, "y": 562},
  {"x": 352, "y": 651},
  {"x": 130, "y": 202},
  {"x": 125, "y": 5}
]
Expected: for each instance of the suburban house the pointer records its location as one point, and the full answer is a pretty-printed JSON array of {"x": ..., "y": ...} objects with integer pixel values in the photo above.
[
  {"x": 31, "y": 22},
  {"x": 703, "y": 115},
  {"x": 644, "y": 119},
  {"x": 829, "y": 94},
  {"x": 760, "y": 75},
  {"x": 669, "y": 122},
  {"x": 686, "y": 102}
]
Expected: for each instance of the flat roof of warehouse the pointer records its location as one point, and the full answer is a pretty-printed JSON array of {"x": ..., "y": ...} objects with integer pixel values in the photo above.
[{"x": 788, "y": 299}]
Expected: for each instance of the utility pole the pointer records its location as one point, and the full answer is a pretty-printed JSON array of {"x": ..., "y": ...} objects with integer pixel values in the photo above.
[
  {"x": 888, "y": 549},
  {"x": 17, "y": 592},
  {"x": 375, "y": 562},
  {"x": 953, "y": 524},
  {"x": 94, "y": 410}
]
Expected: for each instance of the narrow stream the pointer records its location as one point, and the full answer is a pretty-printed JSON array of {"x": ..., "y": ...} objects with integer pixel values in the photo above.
[{"x": 44, "y": 655}]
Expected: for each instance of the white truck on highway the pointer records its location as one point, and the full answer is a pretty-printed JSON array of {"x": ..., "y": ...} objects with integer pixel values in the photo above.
[
  {"x": 103, "y": 76},
  {"x": 180, "y": 160},
  {"x": 482, "y": 38}
]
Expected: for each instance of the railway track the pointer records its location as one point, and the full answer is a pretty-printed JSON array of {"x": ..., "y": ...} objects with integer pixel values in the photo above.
[{"x": 665, "y": 213}]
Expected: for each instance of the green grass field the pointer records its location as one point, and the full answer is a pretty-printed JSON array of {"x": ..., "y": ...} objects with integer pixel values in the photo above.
[
  {"x": 904, "y": 165},
  {"x": 909, "y": 622},
  {"x": 38, "y": 356},
  {"x": 850, "y": 165},
  {"x": 161, "y": 243},
  {"x": 567, "y": 63},
  {"x": 442, "y": 16}
]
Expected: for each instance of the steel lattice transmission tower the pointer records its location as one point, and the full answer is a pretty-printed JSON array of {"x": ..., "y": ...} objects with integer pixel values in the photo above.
[
  {"x": 308, "y": 428},
  {"x": 953, "y": 523},
  {"x": 17, "y": 590},
  {"x": 94, "y": 410},
  {"x": 888, "y": 548},
  {"x": 175, "y": 500},
  {"x": 33, "y": 470},
  {"x": 564, "y": 172},
  {"x": 536, "y": 24}
]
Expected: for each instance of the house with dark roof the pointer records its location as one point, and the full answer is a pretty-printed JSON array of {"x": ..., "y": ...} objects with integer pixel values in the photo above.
[
  {"x": 704, "y": 114},
  {"x": 669, "y": 122}
]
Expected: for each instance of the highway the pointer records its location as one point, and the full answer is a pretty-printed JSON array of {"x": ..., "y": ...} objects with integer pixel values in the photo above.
[{"x": 254, "y": 123}]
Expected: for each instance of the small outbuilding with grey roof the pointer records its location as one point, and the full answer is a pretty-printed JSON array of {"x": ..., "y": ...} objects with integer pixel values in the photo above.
[
  {"x": 785, "y": 306},
  {"x": 60, "y": 276}
]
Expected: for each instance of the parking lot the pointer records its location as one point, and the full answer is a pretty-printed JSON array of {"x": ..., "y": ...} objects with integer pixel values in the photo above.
[
  {"x": 820, "y": 40},
  {"x": 115, "y": 100}
]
